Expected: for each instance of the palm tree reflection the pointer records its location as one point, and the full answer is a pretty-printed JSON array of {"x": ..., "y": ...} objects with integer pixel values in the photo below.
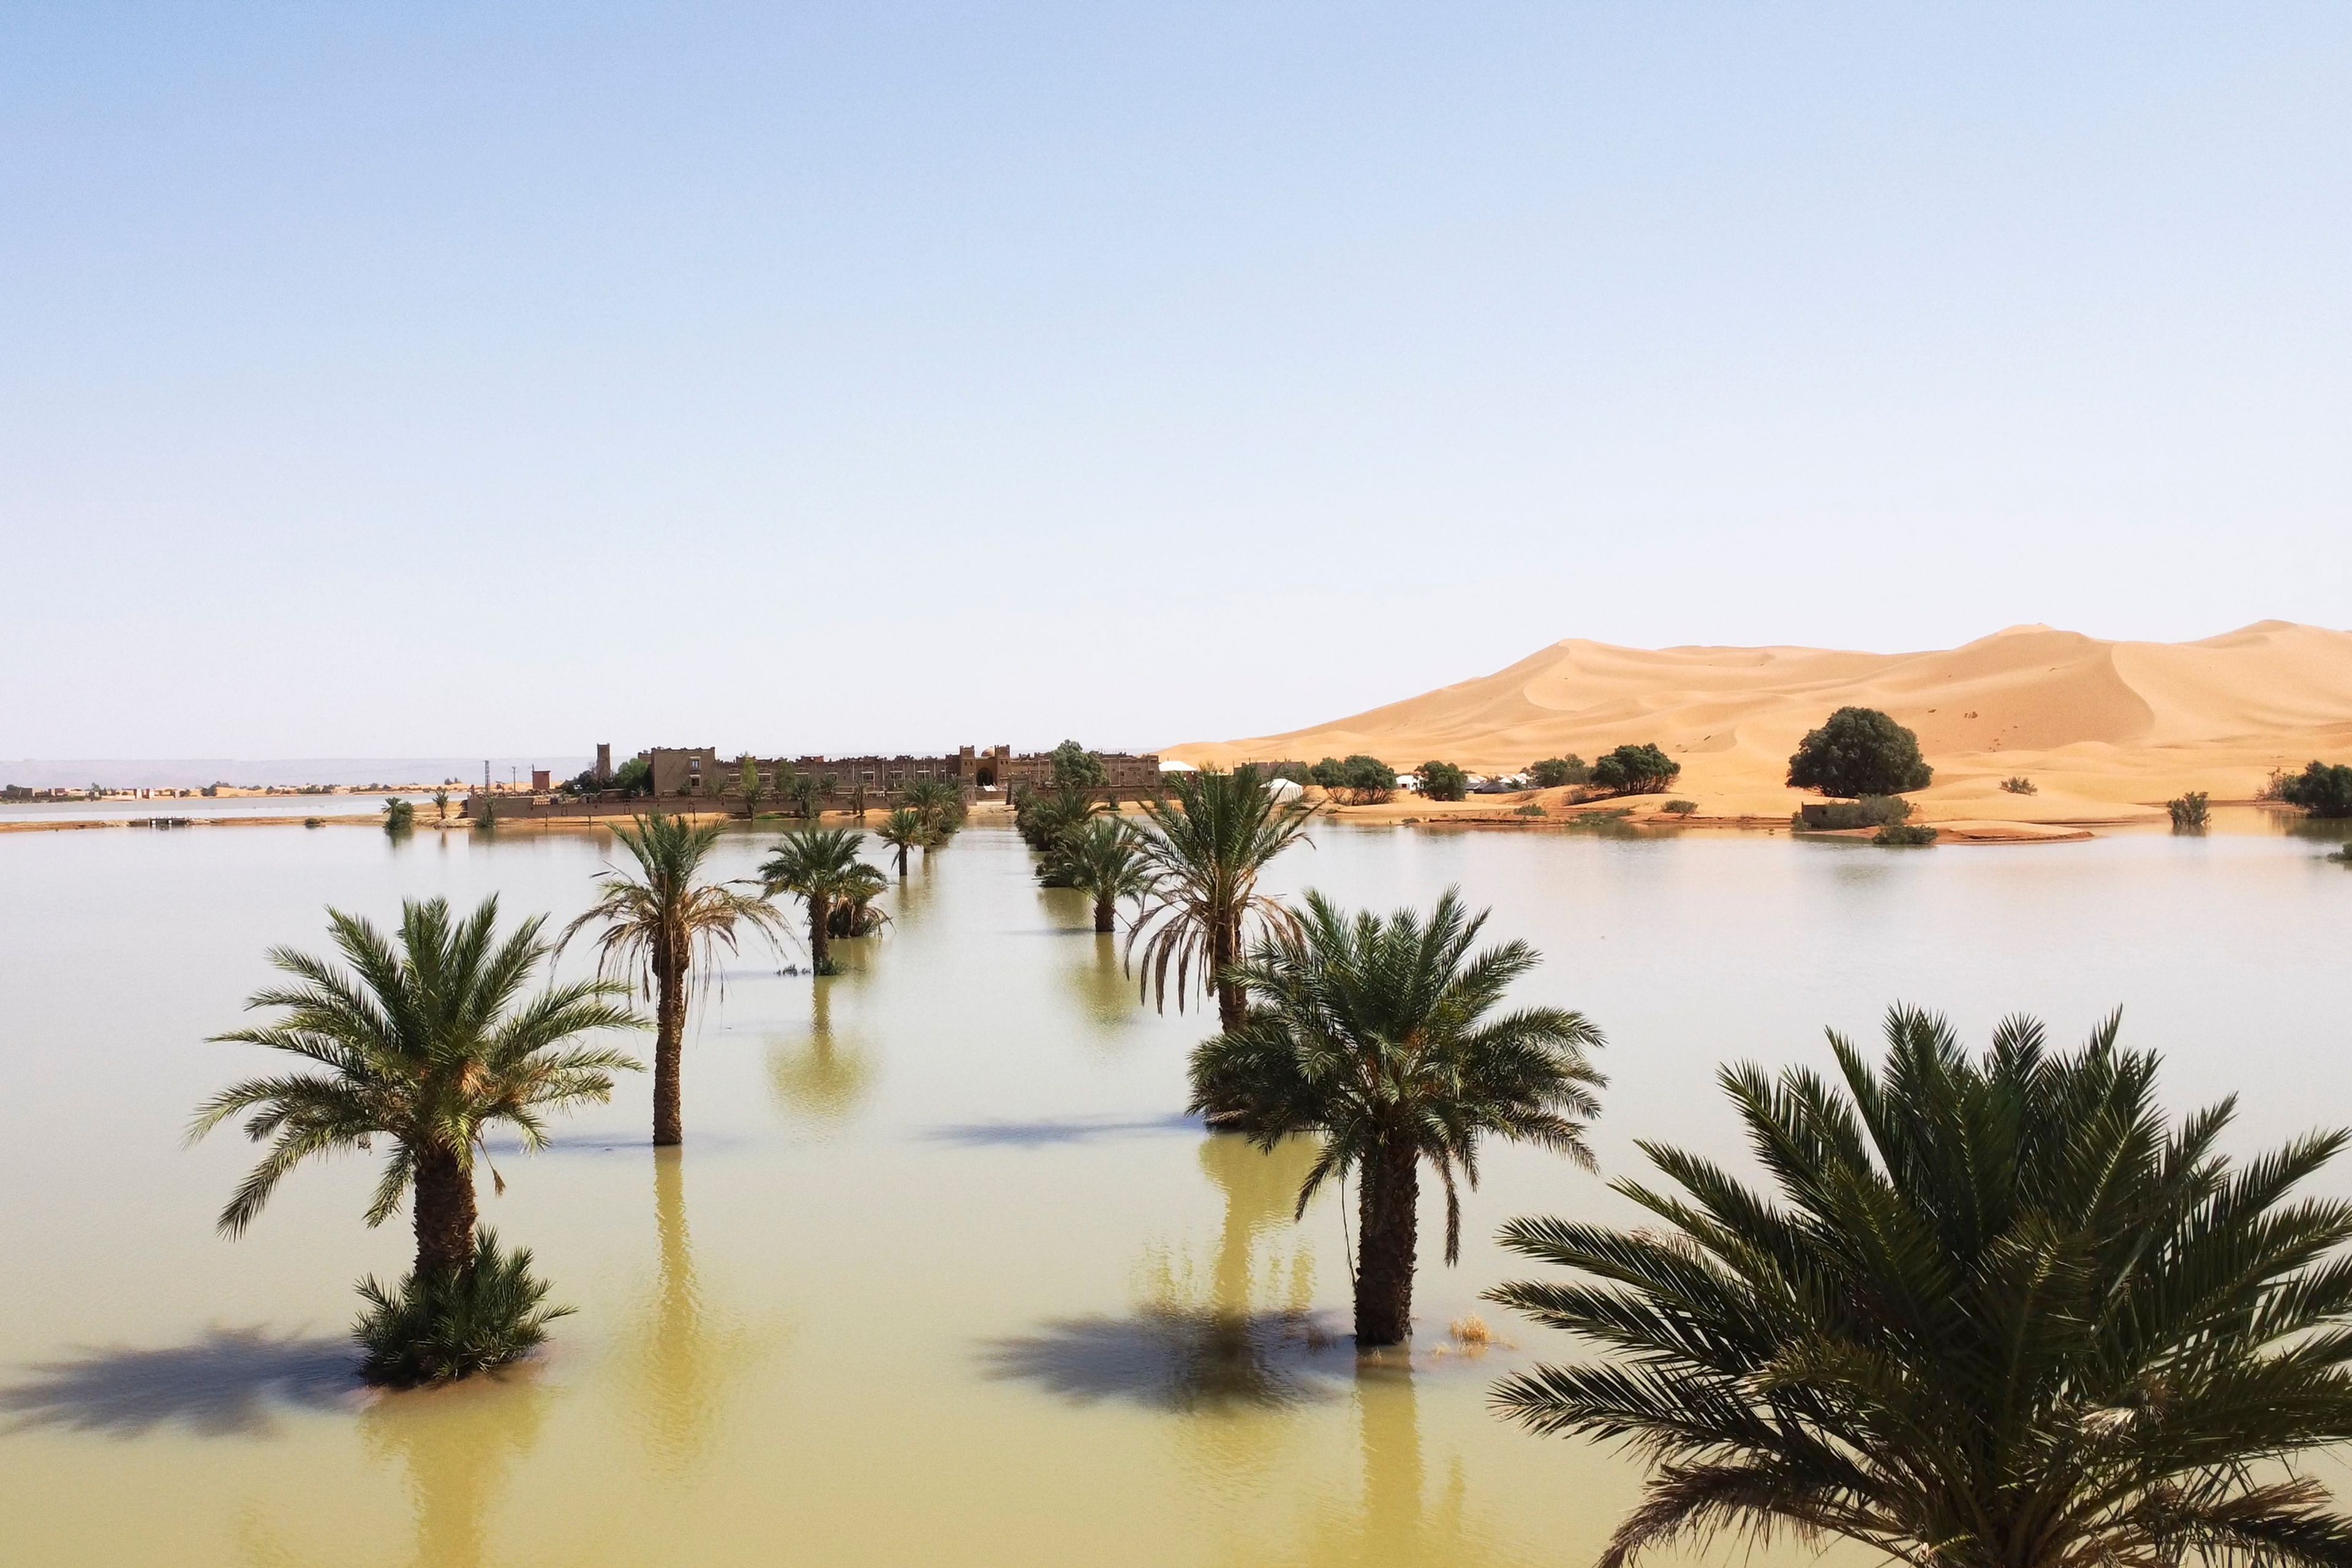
[
  {"x": 690, "y": 1353},
  {"x": 821, "y": 1079},
  {"x": 458, "y": 1444}
]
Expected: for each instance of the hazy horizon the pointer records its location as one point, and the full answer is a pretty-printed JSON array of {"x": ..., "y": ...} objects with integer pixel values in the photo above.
[{"x": 407, "y": 383}]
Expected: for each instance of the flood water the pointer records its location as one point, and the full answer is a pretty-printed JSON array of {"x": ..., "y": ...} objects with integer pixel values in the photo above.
[{"x": 941, "y": 1276}]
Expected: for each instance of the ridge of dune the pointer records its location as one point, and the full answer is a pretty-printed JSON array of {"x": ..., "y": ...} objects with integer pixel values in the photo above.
[{"x": 2104, "y": 729}]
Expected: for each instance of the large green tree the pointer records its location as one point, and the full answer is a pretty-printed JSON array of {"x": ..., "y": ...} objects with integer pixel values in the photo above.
[
  {"x": 425, "y": 1039},
  {"x": 1994, "y": 1311},
  {"x": 659, "y": 923},
  {"x": 821, "y": 867},
  {"x": 1204, "y": 848},
  {"x": 1859, "y": 751},
  {"x": 1384, "y": 1039}
]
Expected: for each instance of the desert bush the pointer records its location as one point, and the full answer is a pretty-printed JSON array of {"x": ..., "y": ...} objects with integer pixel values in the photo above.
[
  {"x": 399, "y": 816},
  {"x": 2189, "y": 813},
  {"x": 1357, "y": 780},
  {"x": 1871, "y": 811},
  {"x": 1636, "y": 769},
  {"x": 490, "y": 1312},
  {"x": 2323, "y": 789},
  {"x": 2018, "y": 784},
  {"x": 314, "y": 822},
  {"x": 1528, "y": 811},
  {"x": 1553, "y": 772},
  {"x": 1903, "y": 834},
  {"x": 1859, "y": 751},
  {"x": 1679, "y": 807},
  {"x": 1441, "y": 781}
]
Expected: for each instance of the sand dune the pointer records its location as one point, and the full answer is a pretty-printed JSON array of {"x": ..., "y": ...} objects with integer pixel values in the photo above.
[{"x": 2107, "y": 730}]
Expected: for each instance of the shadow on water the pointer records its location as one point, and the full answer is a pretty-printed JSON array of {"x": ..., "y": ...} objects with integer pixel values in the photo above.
[
  {"x": 231, "y": 1383},
  {"x": 1243, "y": 1338},
  {"x": 1170, "y": 1358},
  {"x": 1050, "y": 1131}
]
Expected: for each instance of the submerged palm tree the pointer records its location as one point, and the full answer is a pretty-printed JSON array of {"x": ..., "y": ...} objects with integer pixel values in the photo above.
[
  {"x": 660, "y": 923},
  {"x": 940, "y": 803},
  {"x": 904, "y": 830},
  {"x": 426, "y": 1040},
  {"x": 1104, "y": 859},
  {"x": 1380, "y": 1035},
  {"x": 819, "y": 867},
  {"x": 1995, "y": 1312},
  {"x": 1203, "y": 854},
  {"x": 852, "y": 913}
]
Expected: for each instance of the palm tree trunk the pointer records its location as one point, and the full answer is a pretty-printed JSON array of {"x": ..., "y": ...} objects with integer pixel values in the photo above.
[
  {"x": 820, "y": 935},
  {"x": 1106, "y": 914},
  {"x": 444, "y": 1205},
  {"x": 1388, "y": 1227},
  {"x": 1224, "y": 949},
  {"x": 669, "y": 1049}
]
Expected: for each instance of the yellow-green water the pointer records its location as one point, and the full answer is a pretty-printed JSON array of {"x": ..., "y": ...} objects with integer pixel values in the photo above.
[{"x": 941, "y": 1276}]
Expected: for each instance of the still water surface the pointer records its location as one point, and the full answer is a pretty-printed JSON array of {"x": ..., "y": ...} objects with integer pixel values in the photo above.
[{"x": 941, "y": 1277}]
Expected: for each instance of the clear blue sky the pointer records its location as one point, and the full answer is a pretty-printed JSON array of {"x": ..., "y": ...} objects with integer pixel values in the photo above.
[{"x": 431, "y": 379}]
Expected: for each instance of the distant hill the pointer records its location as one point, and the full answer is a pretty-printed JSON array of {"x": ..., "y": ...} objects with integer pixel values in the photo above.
[{"x": 2097, "y": 725}]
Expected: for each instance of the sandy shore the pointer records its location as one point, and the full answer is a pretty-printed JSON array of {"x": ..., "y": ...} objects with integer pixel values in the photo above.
[{"x": 2106, "y": 733}]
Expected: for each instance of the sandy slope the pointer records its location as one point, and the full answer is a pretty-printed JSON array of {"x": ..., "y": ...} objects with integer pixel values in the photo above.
[{"x": 2107, "y": 730}]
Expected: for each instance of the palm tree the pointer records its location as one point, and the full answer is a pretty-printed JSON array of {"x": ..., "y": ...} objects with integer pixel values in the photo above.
[
  {"x": 1104, "y": 859},
  {"x": 1375, "y": 1035},
  {"x": 441, "y": 804},
  {"x": 903, "y": 830},
  {"x": 1203, "y": 855},
  {"x": 817, "y": 866},
  {"x": 940, "y": 803},
  {"x": 427, "y": 1040},
  {"x": 852, "y": 913},
  {"x": 801, "y": 790},
  {"x": 660, "y": 923},
  {"x": 1994, "y": 1312},
  {"x": 1043, "y": 820}
]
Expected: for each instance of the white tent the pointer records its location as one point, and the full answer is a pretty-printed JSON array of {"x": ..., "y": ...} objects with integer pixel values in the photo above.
[{"x": 1283, "y": 789}]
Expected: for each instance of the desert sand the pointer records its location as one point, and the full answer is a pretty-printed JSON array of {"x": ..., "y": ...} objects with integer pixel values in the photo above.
[{"x": 2106, "y": 731}]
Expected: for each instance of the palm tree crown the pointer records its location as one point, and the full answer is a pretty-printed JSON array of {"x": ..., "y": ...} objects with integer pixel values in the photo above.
[
  {"x": 1996, "y": 1312},
  {"x": 427, "y": 1040},
  {"x": 1203, "y": 853},
  {"x": 660, "y": 923},
  {"x": 821, "y": 867},
  {"x": 1380, "y": 1037}
]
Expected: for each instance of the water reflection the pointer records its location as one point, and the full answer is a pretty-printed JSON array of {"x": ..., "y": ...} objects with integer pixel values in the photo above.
[
  {"x": 689, "y": 1355},
  {"x": 1395, "y": 1522},
  {"x": 459, "y": 1444},
  {"x": 821, "y": 1079},
  {"x": 1097, "y": 980}
]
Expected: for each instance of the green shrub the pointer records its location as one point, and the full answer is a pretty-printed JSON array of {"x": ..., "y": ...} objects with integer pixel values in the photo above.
[
  {"x": 1859, "y": 751},
  {"x": 314, "y": 822},
  {"x": 2323, "y": 789},
  {"x": 1904, "y": 833},
  {"x": 1441, "y": 781},
  {"x": 1636, "y": 769},
  {"x": 485, "y": 1315},
  {"x": 1679, "y": 807},
  {"x": 399, "y": 816},
  {"x": 2189, "y": 813},
  {"x": 1553, "y": 772},
  {"x": 1357, "y": 780},
  {"x": 1075, "y": 767},
  {"x": 2018, "y": 785},
  {"x": 1528, "y": 811},
  {"x": 1871, "y": 811}
]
